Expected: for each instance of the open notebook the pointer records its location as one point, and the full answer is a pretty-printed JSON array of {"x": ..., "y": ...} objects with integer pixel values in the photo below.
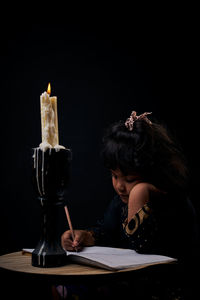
[{"x": 113, "y": 258}]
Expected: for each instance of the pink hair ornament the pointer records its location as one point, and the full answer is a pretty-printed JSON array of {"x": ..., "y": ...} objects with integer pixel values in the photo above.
[{"x": 133, "y": 117}]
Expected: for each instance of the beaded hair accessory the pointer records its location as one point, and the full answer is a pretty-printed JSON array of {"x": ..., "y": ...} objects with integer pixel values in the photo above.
[{"x": 133, "y": 117}]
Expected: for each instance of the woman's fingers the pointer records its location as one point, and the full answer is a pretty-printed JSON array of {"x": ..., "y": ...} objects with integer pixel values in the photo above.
[
  {"x": 72, "y": 245},
  {"x": 78, "y": 238},
  {"x": 66, "y": 240}
]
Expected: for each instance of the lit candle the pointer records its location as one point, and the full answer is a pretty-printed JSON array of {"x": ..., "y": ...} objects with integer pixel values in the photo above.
[{"x": 49, "y": 119}]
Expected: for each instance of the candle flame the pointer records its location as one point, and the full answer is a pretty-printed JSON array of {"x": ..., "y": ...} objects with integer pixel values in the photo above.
[{"x": 49, "y": 89}]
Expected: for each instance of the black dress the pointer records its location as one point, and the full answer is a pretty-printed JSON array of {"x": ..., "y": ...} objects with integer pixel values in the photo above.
[{"x": 165, "y": 225}]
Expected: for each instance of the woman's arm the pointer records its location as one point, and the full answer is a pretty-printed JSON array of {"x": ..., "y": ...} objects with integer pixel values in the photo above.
[{"x": 139, "y": 196}]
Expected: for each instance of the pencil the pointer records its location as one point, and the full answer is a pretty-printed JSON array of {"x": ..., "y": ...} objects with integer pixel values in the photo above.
[{"x": 69, "y": 222}]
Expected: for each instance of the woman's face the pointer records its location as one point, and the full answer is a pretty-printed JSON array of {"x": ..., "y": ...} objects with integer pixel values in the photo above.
[{"x": 123, "y": 184}]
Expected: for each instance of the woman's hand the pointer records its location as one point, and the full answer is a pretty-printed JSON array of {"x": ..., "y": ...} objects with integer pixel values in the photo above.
[{"x": 81, "y": 238}]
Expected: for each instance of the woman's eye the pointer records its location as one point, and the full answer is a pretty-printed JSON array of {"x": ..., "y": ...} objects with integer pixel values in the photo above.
[
  {"x": 130, "y": 180},
  {"x": 114, "y": 176}
]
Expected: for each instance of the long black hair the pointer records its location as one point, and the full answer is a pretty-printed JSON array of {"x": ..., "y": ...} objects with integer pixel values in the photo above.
[{"x": 148, "y": 150}]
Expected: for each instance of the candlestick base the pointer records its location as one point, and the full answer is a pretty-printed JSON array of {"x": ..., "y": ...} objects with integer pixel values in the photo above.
[
  {"x": 48, "y": 256},
  {"x": 49, "y": 252},
  {"x": 50, "y": 178}
]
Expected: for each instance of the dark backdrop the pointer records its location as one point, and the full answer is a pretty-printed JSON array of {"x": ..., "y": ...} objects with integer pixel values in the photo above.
[{"x": 100, "y": 72}]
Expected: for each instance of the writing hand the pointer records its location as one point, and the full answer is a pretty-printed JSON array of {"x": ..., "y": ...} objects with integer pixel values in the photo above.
[{"x": 81, "y": 238}]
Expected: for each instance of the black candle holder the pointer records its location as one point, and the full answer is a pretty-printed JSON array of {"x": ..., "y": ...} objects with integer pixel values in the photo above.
[{"x": 51, "y": 170}]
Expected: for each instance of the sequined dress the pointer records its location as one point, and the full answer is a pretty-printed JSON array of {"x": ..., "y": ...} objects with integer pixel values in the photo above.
[{"x": 165, "y": 225}]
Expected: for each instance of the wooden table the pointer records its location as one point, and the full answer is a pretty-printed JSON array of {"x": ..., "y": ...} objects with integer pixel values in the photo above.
[
  {"x": 16, "y": 268},
  {"x": 20, "y": 265},
  {"x": 17, "y": 262}
]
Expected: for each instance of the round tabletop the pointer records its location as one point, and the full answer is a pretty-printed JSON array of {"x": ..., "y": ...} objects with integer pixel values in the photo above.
[
  {"x": 16, "y": 268},
  {"x": 19, "y": 262}
]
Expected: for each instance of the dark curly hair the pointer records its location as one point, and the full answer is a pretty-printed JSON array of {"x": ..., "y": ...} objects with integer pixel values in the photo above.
[{"x": 148, "y": 150}]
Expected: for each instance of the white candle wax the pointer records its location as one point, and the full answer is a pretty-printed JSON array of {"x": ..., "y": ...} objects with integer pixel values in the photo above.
[{"x": 49, "y": 119}]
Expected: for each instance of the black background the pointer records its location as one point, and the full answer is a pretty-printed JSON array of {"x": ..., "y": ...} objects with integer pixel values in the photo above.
[{"x": 100, "y": 71}]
